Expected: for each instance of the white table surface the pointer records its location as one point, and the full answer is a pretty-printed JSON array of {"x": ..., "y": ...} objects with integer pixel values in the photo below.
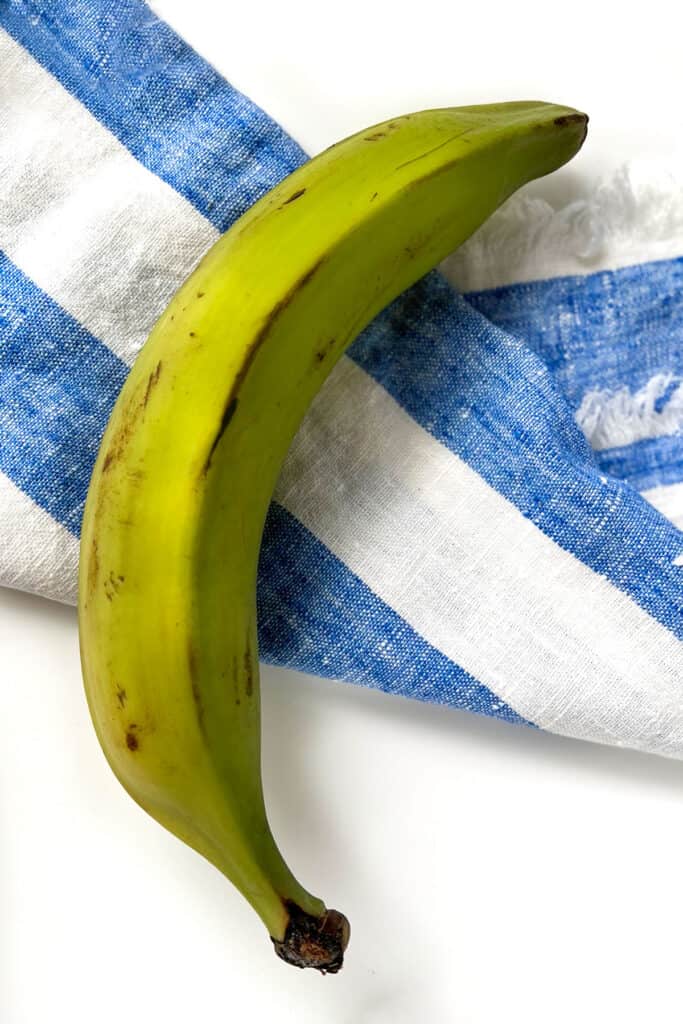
[{"x": 491, "y": 873}]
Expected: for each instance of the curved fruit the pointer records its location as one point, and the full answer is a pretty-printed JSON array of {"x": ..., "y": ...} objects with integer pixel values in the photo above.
[{"x": 187, "y": 466}]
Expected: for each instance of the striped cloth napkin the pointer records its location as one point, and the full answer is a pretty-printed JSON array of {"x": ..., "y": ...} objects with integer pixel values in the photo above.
[{"x": 480, "y": 510}]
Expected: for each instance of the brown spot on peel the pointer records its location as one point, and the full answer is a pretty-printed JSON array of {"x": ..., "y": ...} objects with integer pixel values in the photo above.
[
  {"x": 121, "y": 697},
  {"x": 295, "y": 195},
  {"x": 115, "y": 450},
  {"x": 152, "y": 381},
  {"x": 93, "y": 566},
  {"x": 428, "y": 152},
  {"x": 117, "y": 445},
  {"x": 235, "y": 680},
  {"x": 324, "y": 350},
  {"x": 197, "y": 698},
  {"x": 570, "y": 119},
  {"x": 131, "y": 739},
  {"x": 260, "y": 337},
  {"x": 228, "y": 413},
  {"x": 248, "y": 673},
  {"x": 194, "y": 685},
  {"x": 192, "y": 660},
  {"x": 112, "y": 585}
]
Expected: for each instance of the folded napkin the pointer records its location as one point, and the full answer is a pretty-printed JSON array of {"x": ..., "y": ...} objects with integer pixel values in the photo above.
[{"x": 480, "y": 509}]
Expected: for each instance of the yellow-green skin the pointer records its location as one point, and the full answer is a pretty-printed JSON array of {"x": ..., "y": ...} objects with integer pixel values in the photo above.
[{"x": 185, "y": 473}]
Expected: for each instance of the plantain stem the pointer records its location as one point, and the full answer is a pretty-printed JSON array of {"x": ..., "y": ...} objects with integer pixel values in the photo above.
[{"x": 317, "y": 942}]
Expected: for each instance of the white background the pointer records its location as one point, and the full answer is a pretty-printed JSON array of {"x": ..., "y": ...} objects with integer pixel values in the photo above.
[{"x": 491, "y": 873}]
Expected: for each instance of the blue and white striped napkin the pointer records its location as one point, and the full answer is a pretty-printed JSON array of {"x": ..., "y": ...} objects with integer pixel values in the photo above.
[{"x": 443, "y": 528}]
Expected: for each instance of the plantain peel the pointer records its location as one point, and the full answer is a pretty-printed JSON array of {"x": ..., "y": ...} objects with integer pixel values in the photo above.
[{"x": 192, "y": 451}]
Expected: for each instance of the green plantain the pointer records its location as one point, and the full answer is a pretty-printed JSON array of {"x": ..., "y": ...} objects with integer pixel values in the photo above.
[{"x": 187, "y": 466}]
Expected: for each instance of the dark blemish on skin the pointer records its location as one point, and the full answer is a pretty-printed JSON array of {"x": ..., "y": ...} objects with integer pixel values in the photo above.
[
  {"x": 283, "y": 303},
  {"x": 374, "y": 196},
  {"x": 94, "y": 566},
  {"x": 249, "y": 673},
  {"x": 228, "y": 414},
  {"x": 414, "y": 248},
  {"x": 374, "y": 136},
  {"x": 124, "y": 433},
  {"x": 434, "y": 149},
  {"x": 193, "y": 334},
  {"x": 197, "y": 698},
  {"x": 121, "y": 697},
  {"x": 132, "y": 740},
  {"x": 325, "y": 350},
  {"x": 252, "y": 351},
  {"x": 570, "y": 119},
  {"x": 295, "y": 195},
  {"x": 152, "y": 381},
  {"x": 122, "y": 579},
  {"x": 196, "y": 692},
  {"x": 112, "y": 585},
  {"x": 200, "y": 295},
  {"x": 235, "y": 679}
]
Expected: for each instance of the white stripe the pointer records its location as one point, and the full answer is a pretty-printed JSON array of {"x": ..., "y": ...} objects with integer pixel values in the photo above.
[
  {"x": 36, "y": 553},
  {"x": 477, "y": 580},
  {"x": 81, "y": 217},
  {"x": 633, "y": 216},
  {"x": 669, "y": 501}
]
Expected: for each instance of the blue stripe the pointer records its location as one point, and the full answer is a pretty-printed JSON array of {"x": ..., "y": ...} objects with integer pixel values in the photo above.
[
  {"x": 170, "y": 108},
  {"x": 608, "y": 330},
  {"x": 655, "y": 462},
  {"x": 490, "y": 400},
  {"x": 613, "y": 329},
  {"x": 58, "y": 385},
  {"x": 316, "y": 616}
]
